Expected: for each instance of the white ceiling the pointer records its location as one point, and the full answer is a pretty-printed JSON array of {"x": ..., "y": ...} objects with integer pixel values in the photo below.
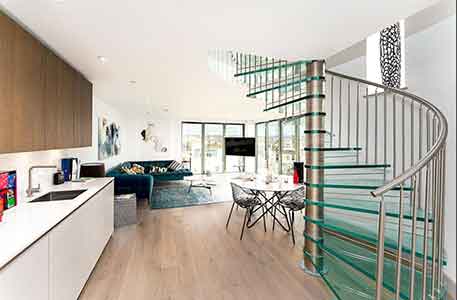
[{"x": 163, "y": 44}]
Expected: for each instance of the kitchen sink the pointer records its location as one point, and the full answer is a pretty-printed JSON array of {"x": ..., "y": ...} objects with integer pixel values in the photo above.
[{"x": 59, "y": 196}]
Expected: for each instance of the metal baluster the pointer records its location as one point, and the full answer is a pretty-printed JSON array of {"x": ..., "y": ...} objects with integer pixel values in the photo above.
[
  {"x": 237, "y": 62},
  {"x": 249, "y": 69},
  {"x": 340, "y": 119},
  {"x": 403, "y": 154},
  {"x": 420, "y": 151},
  {"x": 367, "y": 126},
  {"x": 349, "y": 113},
  {"x": 400, "y": 245},
  {"x": 413, "y": 246},
  {"x": 434, "y": 227},
  {"x": 255, "y": 68},
  {"x": 376, "y": 126},
  {"x": 385, "y": 129},
  {"x": 426, "y": 221},
  {"x": 358, "y": 121},
  {"x": 439, "y": 217},
  {"x": 380, "y": 250},
  {"x": 273, "y": 82},
  {"x": 442, "y": 226},
  {"x": 394, "y": 135},
  {"x": 428, "y": 129},
  {"x": 412, "y": 134},
  {"x": 331, "y": 109}
]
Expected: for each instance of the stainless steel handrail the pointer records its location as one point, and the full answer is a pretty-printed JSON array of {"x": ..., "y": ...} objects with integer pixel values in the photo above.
[{"x": 432, "y": 153}]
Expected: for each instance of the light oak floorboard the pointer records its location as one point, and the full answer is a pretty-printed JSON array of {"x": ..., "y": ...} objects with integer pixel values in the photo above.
[{"x": 187, "y": 254}]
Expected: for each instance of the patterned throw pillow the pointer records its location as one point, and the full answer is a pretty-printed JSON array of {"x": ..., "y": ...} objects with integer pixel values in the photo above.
[{"x": 174, "y": 166}]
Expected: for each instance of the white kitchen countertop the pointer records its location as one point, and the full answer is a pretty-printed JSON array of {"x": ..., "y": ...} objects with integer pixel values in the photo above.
[{"x": 28, "y": 222}]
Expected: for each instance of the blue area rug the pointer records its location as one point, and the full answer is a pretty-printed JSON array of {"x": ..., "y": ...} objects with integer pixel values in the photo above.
[{"x": 171, "y": 195}]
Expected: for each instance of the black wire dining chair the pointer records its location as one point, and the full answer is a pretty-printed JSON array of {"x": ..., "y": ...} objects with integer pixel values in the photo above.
[
  {"x": 293, "y": 201},
  {"x": 246, "y": 199}
]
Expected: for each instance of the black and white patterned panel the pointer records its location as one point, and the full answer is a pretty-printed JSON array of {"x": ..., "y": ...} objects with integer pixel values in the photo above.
[{"x": 390, "y": 58}]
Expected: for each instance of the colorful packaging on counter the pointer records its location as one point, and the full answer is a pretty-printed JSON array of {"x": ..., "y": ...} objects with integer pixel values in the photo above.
[{"x": 8, "y": 189}]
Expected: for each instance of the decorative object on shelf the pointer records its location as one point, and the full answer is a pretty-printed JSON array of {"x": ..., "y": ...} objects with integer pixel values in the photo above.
[
  {"x": 109, "y": 143},
  {"x": 93, "y": 170},
  {"x": 298, "y": 171},
  {"x": 147, "y": 133},
  {"x": 8, "y": 190},
  {"x": 269, "y": 176},
  {"x": 390, "y": 55},
  {"x": 148, "y": 136}
]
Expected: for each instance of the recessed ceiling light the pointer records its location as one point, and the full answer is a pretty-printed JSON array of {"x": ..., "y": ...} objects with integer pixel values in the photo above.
[{"x": 102, "y": 59}]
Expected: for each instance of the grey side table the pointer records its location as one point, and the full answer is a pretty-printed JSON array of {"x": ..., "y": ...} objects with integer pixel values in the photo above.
[{"x": 125, "y": 210}]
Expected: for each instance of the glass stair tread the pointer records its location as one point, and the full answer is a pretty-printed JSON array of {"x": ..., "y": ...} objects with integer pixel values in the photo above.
[
  {"x": 350, "y": 183},
  {"x": 345, "y": 282},
  {"x": 284, "y": 83},
  {"x": 290, "y": 100},
  {"x": 344, "y": 165},
  {"x": 370, "y": 207},
  {"x": 364, "y": 261},
  {"x": 366, "y": 230},
  {"x": 278, "y": 65}
]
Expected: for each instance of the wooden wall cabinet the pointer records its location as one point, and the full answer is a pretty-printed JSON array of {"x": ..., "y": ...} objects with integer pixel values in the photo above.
[{"x": 46, "y": 104}]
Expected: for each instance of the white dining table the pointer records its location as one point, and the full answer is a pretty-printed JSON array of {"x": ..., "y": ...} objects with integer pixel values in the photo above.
[{"x": 270, "y": 195}]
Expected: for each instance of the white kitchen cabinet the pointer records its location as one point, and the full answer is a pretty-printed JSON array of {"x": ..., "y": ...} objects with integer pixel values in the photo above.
[
  {"x": 26, "y": 277},
  {"x": 76, "y": 244}
]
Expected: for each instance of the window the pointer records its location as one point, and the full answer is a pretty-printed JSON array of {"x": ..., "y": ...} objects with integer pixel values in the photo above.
[
  {"x": 192, "y": 142},
  {"x": 261, "y": 159},
  {"x": 289, "y": 146},
  {"x": 203, "y": 143},
  {"x": 214, "y": 141},
  {"x": 273, "y": 147},
  {"x": 234, "y": 163},
  {"x": 279, "y": 149}
]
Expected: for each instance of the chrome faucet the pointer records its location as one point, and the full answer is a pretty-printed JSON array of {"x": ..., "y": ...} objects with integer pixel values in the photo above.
[{"x": 31, "y": 189}]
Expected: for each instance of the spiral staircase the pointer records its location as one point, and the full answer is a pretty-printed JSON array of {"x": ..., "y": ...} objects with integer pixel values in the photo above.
[{"x": 375, "y": 170}]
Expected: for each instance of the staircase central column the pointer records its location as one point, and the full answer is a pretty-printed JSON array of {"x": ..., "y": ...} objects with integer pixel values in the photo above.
[{"x": 313, "y": 260}]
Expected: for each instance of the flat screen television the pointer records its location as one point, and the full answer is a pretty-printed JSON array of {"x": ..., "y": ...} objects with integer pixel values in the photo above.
[{"x": 240, "y": 146}]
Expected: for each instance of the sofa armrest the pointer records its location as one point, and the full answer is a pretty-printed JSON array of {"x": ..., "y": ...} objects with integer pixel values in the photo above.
[{"x": 139, "y": 184}]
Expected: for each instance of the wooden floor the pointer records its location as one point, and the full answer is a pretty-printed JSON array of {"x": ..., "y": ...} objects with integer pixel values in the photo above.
[{"x": 186, "y": 253}]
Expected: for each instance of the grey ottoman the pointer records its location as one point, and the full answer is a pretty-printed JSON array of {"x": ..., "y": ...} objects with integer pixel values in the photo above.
[{"x": 124, "y": 210}]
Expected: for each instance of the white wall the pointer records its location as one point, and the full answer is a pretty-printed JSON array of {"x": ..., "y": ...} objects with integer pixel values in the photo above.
[{"x": 431, "y": 73}]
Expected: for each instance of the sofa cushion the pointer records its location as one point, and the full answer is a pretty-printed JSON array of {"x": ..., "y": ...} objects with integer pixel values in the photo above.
[{"x": 175, "y": 166}]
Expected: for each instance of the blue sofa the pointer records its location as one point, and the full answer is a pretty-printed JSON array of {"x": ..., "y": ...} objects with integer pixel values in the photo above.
[{"x": 142, "y": 184}]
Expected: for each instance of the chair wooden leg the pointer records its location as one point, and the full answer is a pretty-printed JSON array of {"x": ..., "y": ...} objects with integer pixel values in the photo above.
[
  {"x": 244, "y": 222},
  {"x": 230, "y": 215}
]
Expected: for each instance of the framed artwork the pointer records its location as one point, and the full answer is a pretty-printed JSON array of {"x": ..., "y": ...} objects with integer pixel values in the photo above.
[{"x": 109, "y": 143}]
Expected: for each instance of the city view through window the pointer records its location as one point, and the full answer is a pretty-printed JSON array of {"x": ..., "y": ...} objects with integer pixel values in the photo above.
[
  {"x": 203, "y": 145},
  {"x": 279, "y": 145}
]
